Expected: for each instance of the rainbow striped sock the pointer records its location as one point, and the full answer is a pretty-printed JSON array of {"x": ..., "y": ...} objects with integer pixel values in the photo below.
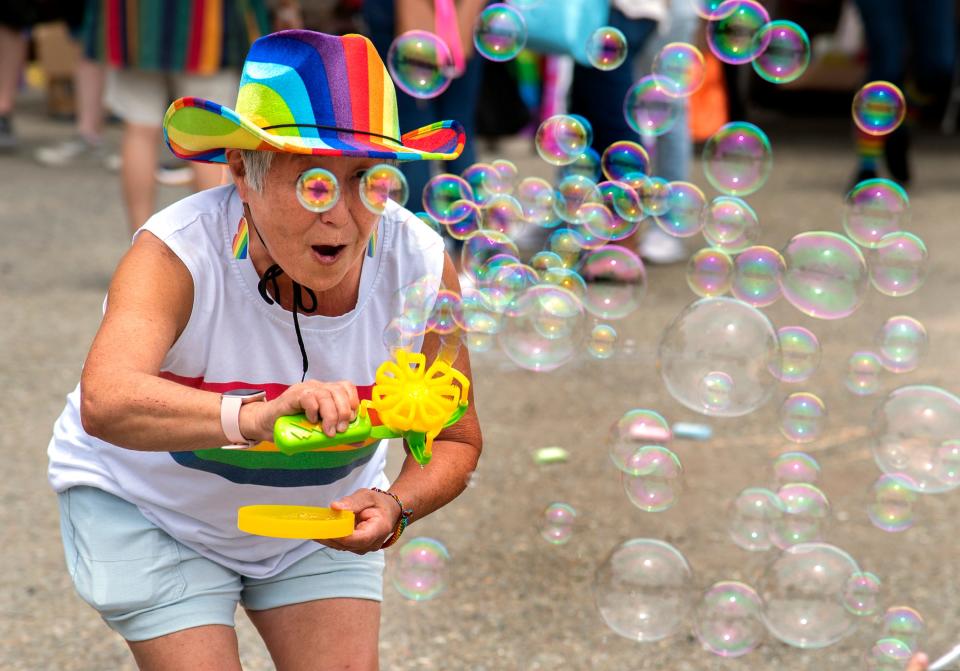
[{"x": 869, "y": 150}]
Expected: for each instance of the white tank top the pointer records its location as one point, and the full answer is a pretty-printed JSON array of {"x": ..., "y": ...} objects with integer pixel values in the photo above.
[{"x": 233, "y": 340}]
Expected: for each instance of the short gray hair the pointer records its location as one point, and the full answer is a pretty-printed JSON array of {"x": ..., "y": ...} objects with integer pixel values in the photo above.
[{"x": 256, "y": 164}]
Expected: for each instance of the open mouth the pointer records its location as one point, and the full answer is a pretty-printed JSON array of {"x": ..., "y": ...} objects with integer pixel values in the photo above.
[{"x": 328, "y": 253}]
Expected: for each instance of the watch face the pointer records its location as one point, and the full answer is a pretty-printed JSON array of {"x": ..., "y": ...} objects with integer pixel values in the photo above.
[{"x": 243, "y": 393}]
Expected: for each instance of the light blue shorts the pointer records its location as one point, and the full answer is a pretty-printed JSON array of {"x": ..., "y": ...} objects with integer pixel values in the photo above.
[{"x": 146, "y": 584}]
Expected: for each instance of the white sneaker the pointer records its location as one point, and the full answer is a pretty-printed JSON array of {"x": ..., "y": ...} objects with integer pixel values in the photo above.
[
  {"x": 73, "y": 150},
  {"x": 170, "y": 175},
  {"x": 658, "y": 247}
]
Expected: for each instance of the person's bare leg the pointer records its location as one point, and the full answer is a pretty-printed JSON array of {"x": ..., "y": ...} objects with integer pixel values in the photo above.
[
  {"x": 207, "y": 175},
  {"x": 209, "y": 648},
  {"x": 139, "y": 161},
  {"x": 13, "y": 53},
  {"x": 89, "y": 80},
  {"x": 324, "y": 635}
]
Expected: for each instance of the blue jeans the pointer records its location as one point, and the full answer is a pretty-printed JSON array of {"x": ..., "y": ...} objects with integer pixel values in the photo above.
[
  {"x": 458, "y": 102},
  {"x": 925, "y": 27},
  {"x": 598, "y": 95}
]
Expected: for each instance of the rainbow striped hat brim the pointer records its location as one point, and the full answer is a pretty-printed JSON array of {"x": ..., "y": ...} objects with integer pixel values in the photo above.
[{"x": 304, "y": 92}]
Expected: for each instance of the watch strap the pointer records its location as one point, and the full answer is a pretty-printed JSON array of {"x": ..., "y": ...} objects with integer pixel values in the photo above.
[{"x": 230, "y": 419}]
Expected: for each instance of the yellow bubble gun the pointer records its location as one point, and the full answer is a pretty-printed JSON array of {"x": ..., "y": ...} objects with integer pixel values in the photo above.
[{"x": 412, "y": 401}]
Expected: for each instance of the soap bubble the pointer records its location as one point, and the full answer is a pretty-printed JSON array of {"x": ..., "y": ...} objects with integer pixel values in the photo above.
[
  {"x": 561, "y": 139},
  {"x": 420, "y": 64},
  {"x": 888, "y": 654},
  {"x": 737, "y": 159},
  {"x": 644, "y": 590},
  {"x": 901, "y": 343},
  {"x": 617, "y": 281},
  {"x": 649, "y": 108},
  {"x": 480, "y": 321},
  {"x": 607, "y": 48},
  {"x": 719, "y": 335},
  {"x": 903, "y": 623},
  {"x": 567, "y": 243},
  {"x": 863, "y": 373},
  {"x": 784, "y": 52},
  {"x": 826, "y": 275},
  {"x": 543, "y": 328},
  {"x": 731, "y": 30},
  {"x": 716, "y": 392},
  {"x": 500, "y": 32},
  {"x": 603, "y": 340},
  {"x": 545, "y": 260},
  {"x": 753, "y": 515},
  {"x": 429, "y": 221},
  {"x": 586, "y": 164},
  {"x": 469, "y": 219},
  {"x": 684, "y": 209},
  {"x": 503, "y": 213},
  {"x": 508, "y": 174},
  {"x": 444, "y": 196},
  {"x": 800, "y": 351},
  {"x": 682, "y": 67},
  {"x": 728, "y": 622},
  {"x": 802, "y": 591},
  {"x": 756, "y": 276},
  {"x": 730, "y": 224},
  {"x": 485, "y": 182},
  {"x": 891, "y": 505},
  {"x": 479, "y": 248},
  {"x": 655, "y": 196},
  {"x": 862, "y": 595},
  {"x": 636, "y": 429},
  {"x": 318, "y": 190},
  {"x": 571, "y": 194},
  {"x": 381, "y": 183},
  {"x": 946, "y": 464},
  {"x": 807, "y": 514},
  {"x": 421, "y": 569},
  {"x": 910, "y": 427},
  {"x": 802, "y": 417},
  {"x": 710, "y": 272},
  {"x": 447, "y": 314},
  {"x": 536, "y": 197},
  {"x": 792, "y": 467},
  {"x": 621, "y": 200},
  {"x": 625, "y": 161},
  {"x": 558, "y": 522},
  {"x": 653, "y": 478},
  {"x": 502, "y": 285},
  {"x": 873, "y": 209},
  {"x": 707, "y": 9},
  {"x": 595, "y": 225},
  {"x": 898, "y": 264},
  {"x": 566, "y": 278},
  {"x": 879, "y": 108}
]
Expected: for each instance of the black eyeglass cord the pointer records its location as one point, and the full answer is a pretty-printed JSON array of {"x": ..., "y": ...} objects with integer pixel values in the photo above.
[{"x": 270, "y": 277}]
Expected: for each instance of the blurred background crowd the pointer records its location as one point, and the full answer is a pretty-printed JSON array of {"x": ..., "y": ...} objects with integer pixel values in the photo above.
[{"x": 100, "y": 62}]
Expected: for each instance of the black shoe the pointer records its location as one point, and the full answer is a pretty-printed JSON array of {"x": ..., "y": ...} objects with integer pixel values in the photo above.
[
  {"x": 896, "y": 152},
  {"x": 862, "y": 174},
  {"x": 8, "y": 141}
]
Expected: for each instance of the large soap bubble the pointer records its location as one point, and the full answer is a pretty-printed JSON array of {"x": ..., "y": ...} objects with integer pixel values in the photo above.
[
  {"x": 826, "y": 275},
  {"x": 719, "y": 338},
  {"x": 543, "y": 328},
  {"x": 644, "y": 590},
  {"x": 912, "y": 427},
  {"x": 803, "y": 592}
]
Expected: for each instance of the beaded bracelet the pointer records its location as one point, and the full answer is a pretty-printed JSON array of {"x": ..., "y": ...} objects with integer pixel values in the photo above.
[{"x": 405, "y": 515}]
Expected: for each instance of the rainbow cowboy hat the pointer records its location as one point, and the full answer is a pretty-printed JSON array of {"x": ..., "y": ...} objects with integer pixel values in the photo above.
[{"x": 304, "y": 92}]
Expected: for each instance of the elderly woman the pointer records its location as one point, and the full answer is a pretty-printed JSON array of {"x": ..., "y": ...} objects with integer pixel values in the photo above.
[{"x": 234, "y": 307}]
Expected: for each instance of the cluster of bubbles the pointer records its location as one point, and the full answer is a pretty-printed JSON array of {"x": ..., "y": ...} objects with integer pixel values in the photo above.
[{"x": 721, "y": 356}]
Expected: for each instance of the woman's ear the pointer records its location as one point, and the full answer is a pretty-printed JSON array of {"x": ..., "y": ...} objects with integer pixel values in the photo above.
[{"x": 238, "y": 171}]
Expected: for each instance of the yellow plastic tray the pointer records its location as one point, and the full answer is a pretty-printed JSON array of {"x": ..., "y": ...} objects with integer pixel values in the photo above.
[{"x": 305, "y": 522}]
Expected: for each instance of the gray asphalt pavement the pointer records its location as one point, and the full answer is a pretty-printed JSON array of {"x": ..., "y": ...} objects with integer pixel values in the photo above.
[{"x": 512, "y": 600}]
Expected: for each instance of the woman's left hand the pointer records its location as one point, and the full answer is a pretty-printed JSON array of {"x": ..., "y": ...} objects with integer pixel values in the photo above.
[{"x": 376, "y": 516}]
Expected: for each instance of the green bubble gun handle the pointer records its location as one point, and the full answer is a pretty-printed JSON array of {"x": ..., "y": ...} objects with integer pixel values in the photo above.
[{"x": 412, "y": 403}]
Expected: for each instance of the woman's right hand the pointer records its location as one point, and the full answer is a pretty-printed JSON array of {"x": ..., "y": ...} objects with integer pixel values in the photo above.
[{"x": 332, "y": 404}]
